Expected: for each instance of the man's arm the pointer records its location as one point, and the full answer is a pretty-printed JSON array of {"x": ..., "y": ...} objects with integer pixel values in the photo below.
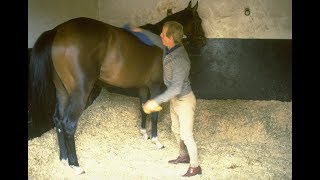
[
  {"x": 180, "y": 71},
  {"x": 173, "y": 90},
  {"x": 153, "y": 37}
]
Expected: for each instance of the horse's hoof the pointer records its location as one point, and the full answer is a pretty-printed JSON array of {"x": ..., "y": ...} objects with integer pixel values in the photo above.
[
  {"x": 144, "y": 133},
  {"x": 160, "y": 146},
  {"x": 146, "y": 137},
  {"x": 157, "y": 142},
  {"x": 78, "y": 170},
  {"x": 64, "y": 162}
]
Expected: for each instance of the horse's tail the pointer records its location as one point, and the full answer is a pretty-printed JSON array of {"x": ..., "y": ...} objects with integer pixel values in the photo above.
[{"x": 42, "y": 88}]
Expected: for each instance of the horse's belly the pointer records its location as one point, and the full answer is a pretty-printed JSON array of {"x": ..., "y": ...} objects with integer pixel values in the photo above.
[
  {"x": 129, "y": 67},
  {"x": 123, "y": 79}
]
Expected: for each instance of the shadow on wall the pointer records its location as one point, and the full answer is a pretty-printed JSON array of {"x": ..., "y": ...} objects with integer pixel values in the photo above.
[{"x": 252, "y": 69}]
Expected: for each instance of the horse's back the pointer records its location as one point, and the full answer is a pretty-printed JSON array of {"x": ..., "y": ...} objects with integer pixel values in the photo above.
[
  {"x": 89, "y": 48},
  {"x": 129, "y": 62}
]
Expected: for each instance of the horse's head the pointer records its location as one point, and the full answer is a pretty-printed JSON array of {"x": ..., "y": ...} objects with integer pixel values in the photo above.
[{"x": 192, "y": 26}]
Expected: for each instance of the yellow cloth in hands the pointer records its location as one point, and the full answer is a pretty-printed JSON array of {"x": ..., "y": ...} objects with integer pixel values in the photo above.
[{"x": 151, "y": 106}]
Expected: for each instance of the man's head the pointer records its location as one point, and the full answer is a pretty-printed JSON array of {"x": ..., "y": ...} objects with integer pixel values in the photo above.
[{"x": 172, "y": 33}]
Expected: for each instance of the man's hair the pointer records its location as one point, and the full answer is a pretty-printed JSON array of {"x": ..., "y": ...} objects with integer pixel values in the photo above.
[{"x": 175, "y": 30}]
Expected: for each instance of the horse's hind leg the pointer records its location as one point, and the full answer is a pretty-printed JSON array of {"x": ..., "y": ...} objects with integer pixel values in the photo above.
[
  {"x": 57, "y": 119},
  {"x": 95, "y": 92},
  {"x": 61, "y": 104},
  {"x": 143, "y": 96},
  {"x": 75, "y": 107},
  {"x": 68, "y": 110},
  {"x": 72, "y": 113}
]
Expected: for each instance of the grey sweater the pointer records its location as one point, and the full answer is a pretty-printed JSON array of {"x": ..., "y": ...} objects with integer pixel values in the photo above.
[{"x": 176, "y": 67}]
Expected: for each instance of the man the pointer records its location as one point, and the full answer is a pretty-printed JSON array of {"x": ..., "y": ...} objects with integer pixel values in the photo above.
[{"x": 176, "y": 67}]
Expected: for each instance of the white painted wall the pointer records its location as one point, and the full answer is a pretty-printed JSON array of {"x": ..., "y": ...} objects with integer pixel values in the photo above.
[
  {"x": 269, "y": 19},
  {"x": 138, "y": 13},
  {"x": 46, "y": 14}
]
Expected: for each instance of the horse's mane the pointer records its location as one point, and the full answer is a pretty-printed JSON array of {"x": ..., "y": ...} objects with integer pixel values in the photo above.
[{"x": 182, "y": 16}]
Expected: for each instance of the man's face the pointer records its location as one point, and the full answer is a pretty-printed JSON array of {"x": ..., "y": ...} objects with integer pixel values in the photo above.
[{"x": 167, "y": 41}]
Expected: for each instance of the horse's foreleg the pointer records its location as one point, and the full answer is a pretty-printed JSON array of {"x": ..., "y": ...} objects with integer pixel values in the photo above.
[
  {"x": 154, "y": 91},
  {"x": 154, "y": 119},
  {"x": 143, "y": 130},
  {"x": 143, "y": 96}
]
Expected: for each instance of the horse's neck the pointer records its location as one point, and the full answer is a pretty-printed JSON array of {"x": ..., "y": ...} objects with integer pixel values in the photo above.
[
  {"x": 152, "y": 27},
  {"x": 157, "y": 28}
]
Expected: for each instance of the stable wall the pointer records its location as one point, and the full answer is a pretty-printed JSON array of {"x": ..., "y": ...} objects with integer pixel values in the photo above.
[
  {"x": 247, "y": 57},
  {"x": 46, "y": 14},
  {"x": 269, "y": 19}
]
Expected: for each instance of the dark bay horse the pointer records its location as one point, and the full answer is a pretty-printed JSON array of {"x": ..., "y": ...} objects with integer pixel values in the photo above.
[{"x": 68, "y": 61}]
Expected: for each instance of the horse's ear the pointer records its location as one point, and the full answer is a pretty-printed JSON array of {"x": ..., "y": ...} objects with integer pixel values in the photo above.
[
  {"x": 189, "y": 5},
  {"x": 195, "y": 7}
]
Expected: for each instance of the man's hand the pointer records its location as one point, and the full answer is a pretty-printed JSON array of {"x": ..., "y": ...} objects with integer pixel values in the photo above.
[
  {"x": 136, "y": 29},
  {"x": 151, "y": 106}
]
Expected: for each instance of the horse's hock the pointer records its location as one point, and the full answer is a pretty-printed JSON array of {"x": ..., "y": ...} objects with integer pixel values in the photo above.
[{"x": 236, "y": 139}]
